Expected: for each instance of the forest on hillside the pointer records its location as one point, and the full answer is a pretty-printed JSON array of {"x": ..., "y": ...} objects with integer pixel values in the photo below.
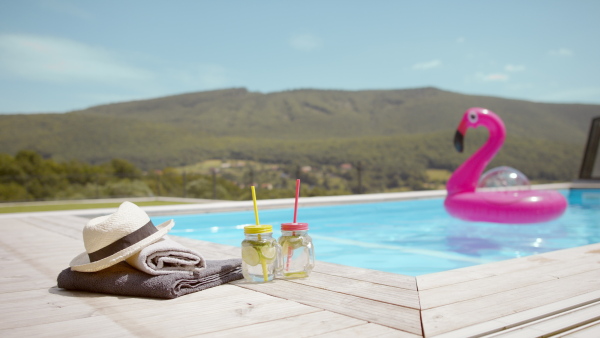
[{"x": 346, "y": 168}]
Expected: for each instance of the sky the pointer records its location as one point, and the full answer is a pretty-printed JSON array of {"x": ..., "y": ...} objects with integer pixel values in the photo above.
[{"x": 60, "y": 56}]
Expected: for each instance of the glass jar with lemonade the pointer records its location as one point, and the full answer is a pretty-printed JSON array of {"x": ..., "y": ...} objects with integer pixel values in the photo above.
[
  {"x": 260, "y": 254},
  {"x": 297, "y": 250}
]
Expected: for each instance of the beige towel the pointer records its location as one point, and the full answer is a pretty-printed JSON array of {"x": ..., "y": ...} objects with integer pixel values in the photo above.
[{"x": 166, "y": 257}]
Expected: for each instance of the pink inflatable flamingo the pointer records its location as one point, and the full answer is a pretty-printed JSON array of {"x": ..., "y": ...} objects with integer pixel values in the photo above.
[{"x": 516, "y": 206}]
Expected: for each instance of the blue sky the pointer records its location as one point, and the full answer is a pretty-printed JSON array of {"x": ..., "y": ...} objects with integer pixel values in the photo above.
[{"x": 58, "y": 56}]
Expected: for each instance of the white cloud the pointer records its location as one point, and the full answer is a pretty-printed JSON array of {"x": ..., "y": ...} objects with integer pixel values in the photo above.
[
  {"x": 492, "y": 77},
  {"x": 305, "y": 42},
  {"x": 461, "y": 39},
  {"x": 50, "y": 59},
  {"x": 514, "y": 68},
  {"x": 427, "y": 65},
  {"x": 561, "y": 52}
]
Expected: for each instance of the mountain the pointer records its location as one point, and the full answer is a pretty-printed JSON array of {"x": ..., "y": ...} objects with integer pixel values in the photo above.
[
  {"x": 345, "y": 114},
  {"x": 323, "y": 126}
]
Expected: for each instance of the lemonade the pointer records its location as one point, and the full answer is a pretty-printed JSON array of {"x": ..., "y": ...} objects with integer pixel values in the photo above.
[
  {"x": 260, "y": 254},
  {"x": 297, "y": 251}
]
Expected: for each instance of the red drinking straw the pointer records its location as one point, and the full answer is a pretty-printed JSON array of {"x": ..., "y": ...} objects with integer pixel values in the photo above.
[
  {"x": 290, "y": 250},
  {"x": 296, "y": 203}
]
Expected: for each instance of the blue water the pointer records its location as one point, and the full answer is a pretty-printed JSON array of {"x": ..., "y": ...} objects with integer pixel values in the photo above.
[{"x": 408, "y": 237}]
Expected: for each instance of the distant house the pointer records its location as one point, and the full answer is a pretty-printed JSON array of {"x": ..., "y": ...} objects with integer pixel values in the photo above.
[{"x": 346, "y": 166}]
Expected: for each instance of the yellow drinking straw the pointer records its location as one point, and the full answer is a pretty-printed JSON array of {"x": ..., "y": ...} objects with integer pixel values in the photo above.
[
  {"x": 255, "y": 207},
  {"x": 262, "y": 259}
]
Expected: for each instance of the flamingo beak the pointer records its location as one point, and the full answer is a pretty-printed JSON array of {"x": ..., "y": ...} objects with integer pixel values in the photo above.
[
  {"x": 458, "y": 141},
  {"x": 459, "y": 137}
]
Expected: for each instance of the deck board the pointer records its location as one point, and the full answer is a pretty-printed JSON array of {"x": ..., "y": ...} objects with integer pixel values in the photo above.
[
  {"x": 368, "y": 290},
  {"x": 368, "y": 330},
  {"x": 468, "y": 274},
  {"x": 492, "y": 306},
  {"x": 586, "y": 331},
  {"x": 314, "y": 323},
  {"x": 523, "y": 318},
  {"x": 391, "y": 315},
  {"x": 552, "y": 270},
  {"x": 557, "y": 324},
  {"x": 543, "y": 294}
]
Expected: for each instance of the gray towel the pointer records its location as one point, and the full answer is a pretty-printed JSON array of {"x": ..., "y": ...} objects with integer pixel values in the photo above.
[
  {"x": 167, "y": 256},
  {"x": 124, "y": 280}
]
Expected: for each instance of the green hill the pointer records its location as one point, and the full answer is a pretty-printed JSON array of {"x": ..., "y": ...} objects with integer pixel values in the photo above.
[{"x": 397, "y": 130}]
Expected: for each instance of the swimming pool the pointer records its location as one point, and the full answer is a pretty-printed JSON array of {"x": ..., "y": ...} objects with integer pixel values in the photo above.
[{"x": 408, "y": 237}]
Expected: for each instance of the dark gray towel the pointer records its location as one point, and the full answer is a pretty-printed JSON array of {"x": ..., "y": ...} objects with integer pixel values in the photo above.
[{"x": 124, "y": 280}]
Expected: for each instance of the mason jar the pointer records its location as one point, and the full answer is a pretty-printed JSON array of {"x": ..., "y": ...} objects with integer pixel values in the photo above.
[
  {"x": 261, "y": 254},
  {"x": 297, "y": 251}
]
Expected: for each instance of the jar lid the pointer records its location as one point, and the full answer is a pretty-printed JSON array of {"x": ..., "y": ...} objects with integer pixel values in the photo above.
[
  {"x": 258, "y": 229},
  {"x": 294, "y": 226}
]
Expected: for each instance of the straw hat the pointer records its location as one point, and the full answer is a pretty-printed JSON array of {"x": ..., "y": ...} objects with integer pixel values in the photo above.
[{"x": 111, "y": 239}]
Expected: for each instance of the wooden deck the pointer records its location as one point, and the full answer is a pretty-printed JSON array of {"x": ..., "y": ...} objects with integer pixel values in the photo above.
[{"x": 551, "y": 294}]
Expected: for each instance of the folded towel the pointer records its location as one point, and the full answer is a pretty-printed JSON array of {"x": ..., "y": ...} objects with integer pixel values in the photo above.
[
  {"x": 167, "y": 256},
  {"x": 124, "y": 280}
]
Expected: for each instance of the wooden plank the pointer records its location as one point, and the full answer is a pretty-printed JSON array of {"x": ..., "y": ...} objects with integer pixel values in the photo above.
[
  {"x": 30, "y": 280},
  {"x": 21, "y": 270},
  {"x": 49, "y": 265},
  {"x": 402, "y": 318},
  {"x": 378, "y": 292},
  {"x": 367, "y": 275},
  {"x": 587, "y": 331},
  {"x": 86, "y": 327},
  {"x": 499, "y": 283},
  {"x": 524, "y": 317},
  {"x": 368, "y": 330},
  {"x": 456, "y": 276},
  {"x": 462, "y": 314},
  {"x": 189, "y": 315},
  {"x": 557, "y": 324},
  {"x": 55, "y": 297},
  {"x": 306, "y": 325},
  {"x": 59, "y": 305},
  {"x": 60, "y": 224},
  {"x": 193, "y": 318}
]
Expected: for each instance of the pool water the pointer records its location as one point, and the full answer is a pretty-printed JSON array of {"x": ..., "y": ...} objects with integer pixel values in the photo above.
[{"x": 408, "y": 237}]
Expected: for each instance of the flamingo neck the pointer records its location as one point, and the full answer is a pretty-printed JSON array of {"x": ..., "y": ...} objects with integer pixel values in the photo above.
[{"x": 466, "y": 177}]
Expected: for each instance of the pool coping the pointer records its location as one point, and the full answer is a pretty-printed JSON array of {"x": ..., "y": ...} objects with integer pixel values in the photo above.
[{"x": 214, "y": 206}]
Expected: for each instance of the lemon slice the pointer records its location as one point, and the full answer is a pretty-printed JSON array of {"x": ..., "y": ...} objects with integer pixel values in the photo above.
[
  {"x": 292, "y": 243},
  {"x": 250, "y": 256},
  {"x": 268, "y": 252}
]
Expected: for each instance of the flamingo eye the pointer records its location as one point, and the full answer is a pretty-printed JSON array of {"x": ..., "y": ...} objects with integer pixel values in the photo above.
[{"x": 473, "y": 117}]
